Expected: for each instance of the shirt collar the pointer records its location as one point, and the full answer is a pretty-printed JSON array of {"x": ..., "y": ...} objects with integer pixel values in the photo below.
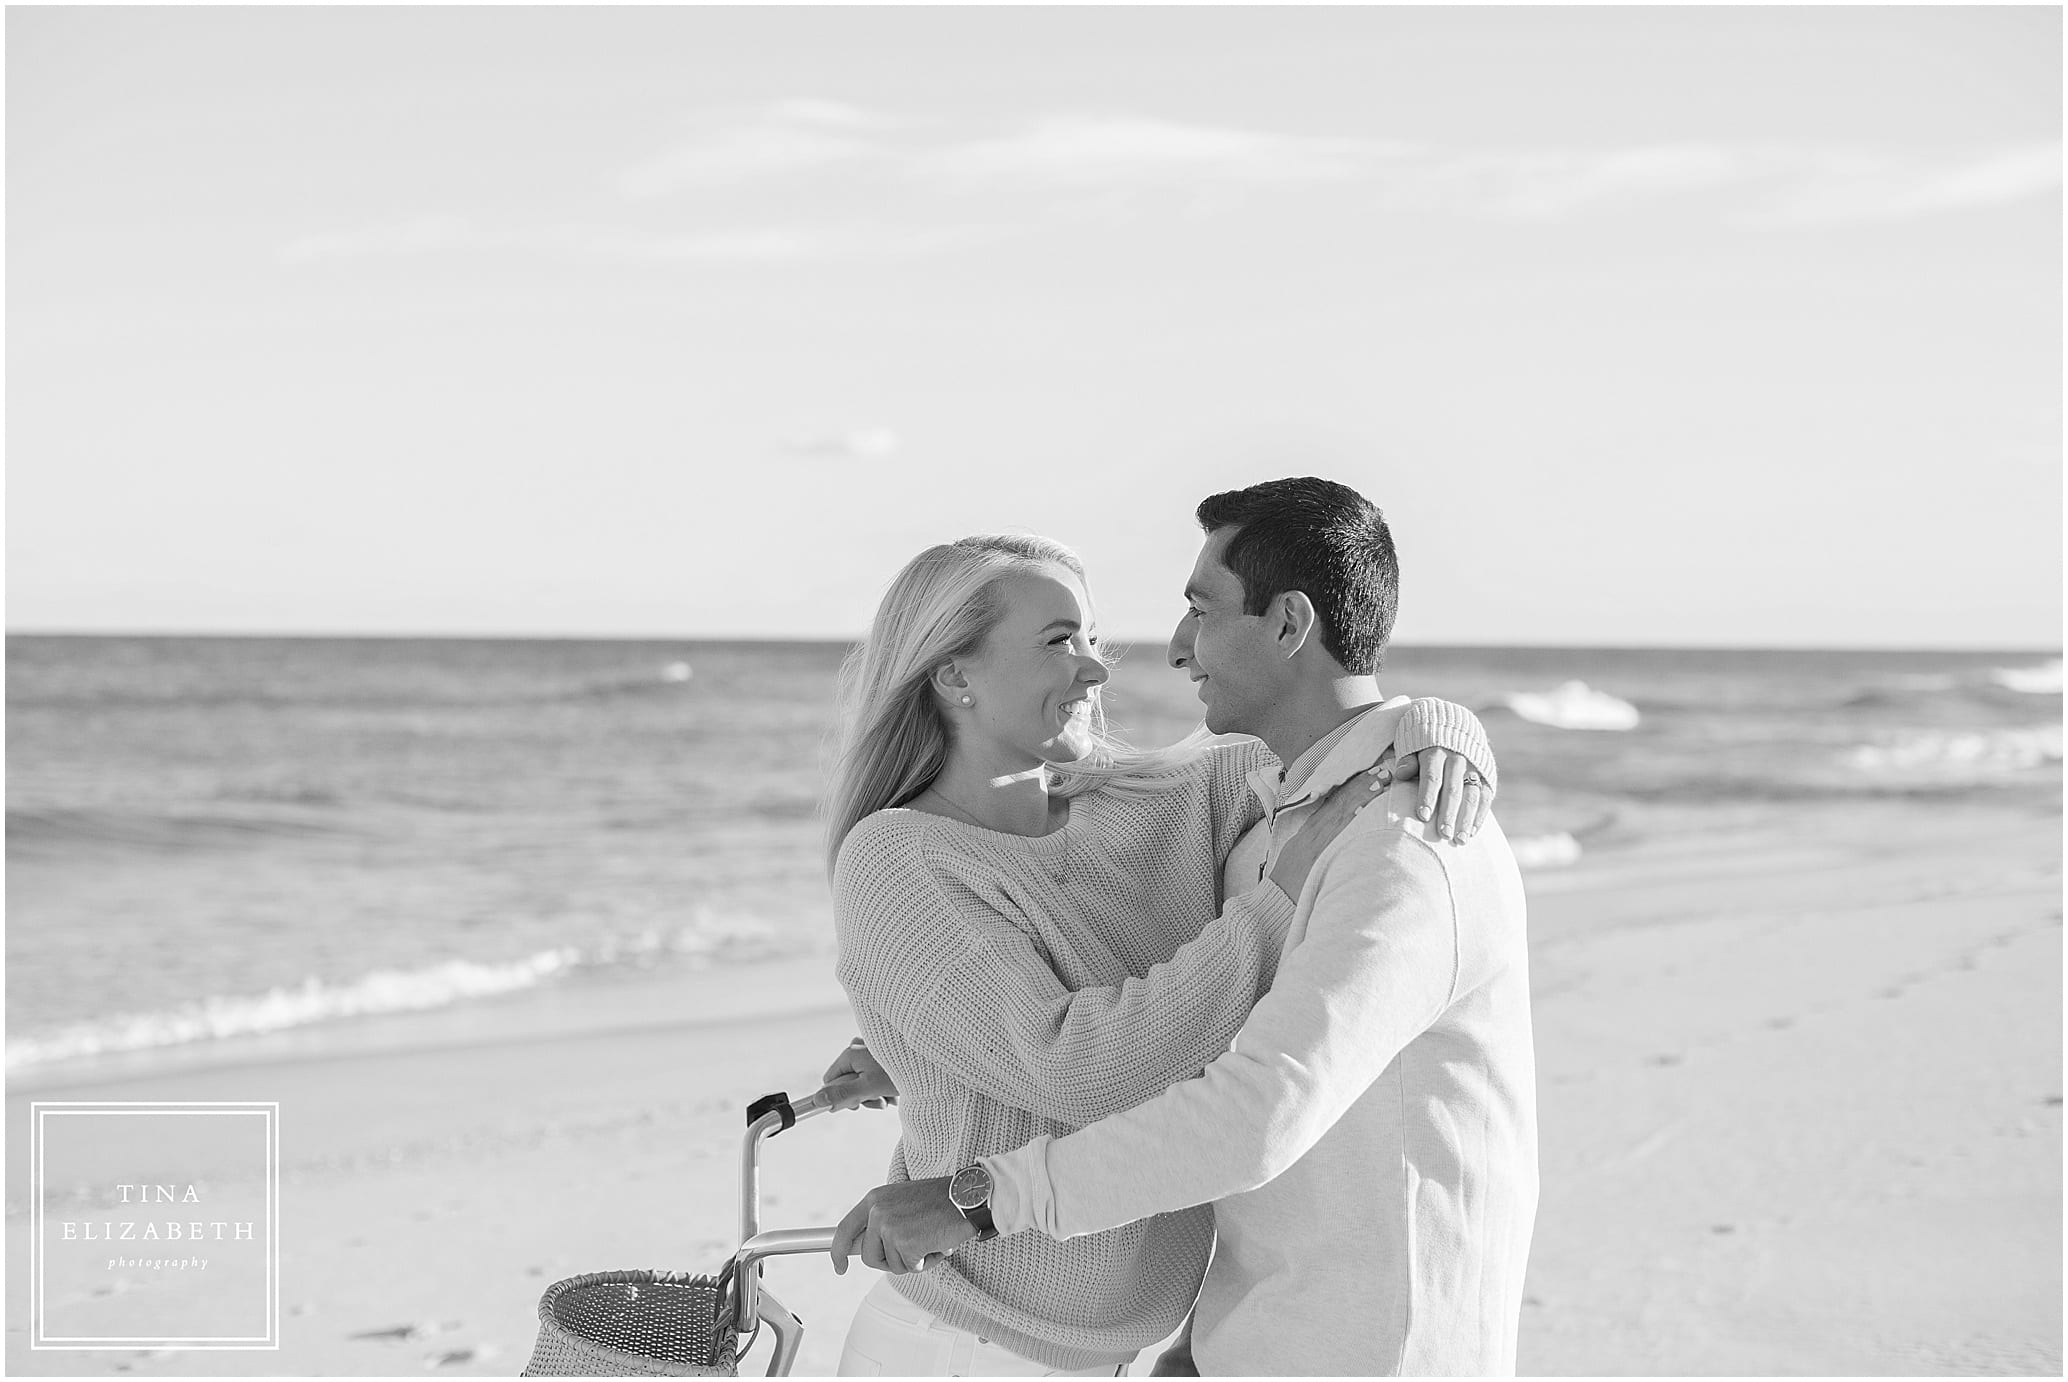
[
  {"x": 1332, "y": 760},
  {"x": 1295, "y": 777}
]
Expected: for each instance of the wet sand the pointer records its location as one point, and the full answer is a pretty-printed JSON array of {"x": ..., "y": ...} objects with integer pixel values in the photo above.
[{"x": 1800, "y": 1093}]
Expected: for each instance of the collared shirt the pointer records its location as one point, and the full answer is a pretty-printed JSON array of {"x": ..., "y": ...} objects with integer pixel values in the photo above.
[{"x": 1291, "y": 779}]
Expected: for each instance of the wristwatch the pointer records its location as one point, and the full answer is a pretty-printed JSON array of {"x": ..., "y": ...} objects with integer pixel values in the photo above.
[{"x": 970, "y": 1191}]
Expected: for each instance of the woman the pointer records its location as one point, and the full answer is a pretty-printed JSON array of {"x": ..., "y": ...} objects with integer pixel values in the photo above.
[{"x": 1032, "y": 938}]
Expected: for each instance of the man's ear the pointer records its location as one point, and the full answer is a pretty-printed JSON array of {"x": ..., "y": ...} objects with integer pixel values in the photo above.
[{"x": 1293, "y": 621}]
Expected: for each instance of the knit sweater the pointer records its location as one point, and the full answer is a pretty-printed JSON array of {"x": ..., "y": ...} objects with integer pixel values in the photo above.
[{"x": 1020, "y": 988}]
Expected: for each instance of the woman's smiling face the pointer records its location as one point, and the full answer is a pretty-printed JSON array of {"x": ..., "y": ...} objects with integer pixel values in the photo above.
[{"x": 1035, "y": 680}]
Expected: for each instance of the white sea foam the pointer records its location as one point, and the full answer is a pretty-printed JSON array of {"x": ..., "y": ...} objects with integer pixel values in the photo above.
[
  {"x": 1940, "y": 754},
  {"x": 677, "y": 671},
  {"x": 707, "y": 937},
  {"x": 382, "y": 991},
  {"x": 1573, "y": 706},
  {"x": 1545, "y": 851},
  {"x": 2043, "y": 680}
]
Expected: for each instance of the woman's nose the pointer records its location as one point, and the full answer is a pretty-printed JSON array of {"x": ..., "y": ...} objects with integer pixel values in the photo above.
[{"x": 1094, "y": 671}]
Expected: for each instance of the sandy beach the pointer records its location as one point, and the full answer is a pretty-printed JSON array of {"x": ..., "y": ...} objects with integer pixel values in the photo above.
[{"x": 1800, "y": 1094}]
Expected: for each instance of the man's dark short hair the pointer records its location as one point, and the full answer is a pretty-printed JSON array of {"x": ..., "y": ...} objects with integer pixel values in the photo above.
[{"x": 1321, "y": 538}]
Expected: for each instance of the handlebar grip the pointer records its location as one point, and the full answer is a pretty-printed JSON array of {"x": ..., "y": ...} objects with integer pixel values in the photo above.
[
  {"x": 779, "y": 1104},
  {"x": 821, "y": 1102}
]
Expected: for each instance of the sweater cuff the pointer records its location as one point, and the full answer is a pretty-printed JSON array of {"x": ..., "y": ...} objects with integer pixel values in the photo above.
[
  {"x": 1273, "y": 906},
  {"x": 1017, "y": 1178},
  {"x": 1431, "y": 723}
]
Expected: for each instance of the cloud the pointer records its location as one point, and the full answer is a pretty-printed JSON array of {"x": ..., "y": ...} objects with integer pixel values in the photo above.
[
  {"x": 1557, "y": 185},
  {"x": 860, "y": 444},
  {"x": 1845, "y": 189},
  {"x": 797, "y": 137},
  {"x": 786, "y": 138},
  {"x": 1075, "y": 154},
  {"x": 1127, "y": 149},
  {"x": 920, "y": 185},
  {"x": 745, "y": 244}
]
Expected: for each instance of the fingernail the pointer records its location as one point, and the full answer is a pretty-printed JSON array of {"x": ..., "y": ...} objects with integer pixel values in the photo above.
[{"x": 1425, "y": 812}]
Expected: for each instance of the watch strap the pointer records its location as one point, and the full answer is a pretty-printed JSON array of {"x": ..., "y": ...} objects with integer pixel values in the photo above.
[{"x": 980, "y": 1215}]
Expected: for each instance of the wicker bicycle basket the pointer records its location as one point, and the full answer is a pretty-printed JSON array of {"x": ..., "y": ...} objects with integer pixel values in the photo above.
[{"x": 635, "y": 1324}]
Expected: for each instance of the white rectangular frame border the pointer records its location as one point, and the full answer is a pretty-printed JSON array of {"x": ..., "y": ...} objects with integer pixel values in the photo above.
[{"x": 270, "y": 1111}]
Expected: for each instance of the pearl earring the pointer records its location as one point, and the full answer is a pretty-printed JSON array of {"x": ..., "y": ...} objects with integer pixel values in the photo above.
[{"x": 966, "y": 700}]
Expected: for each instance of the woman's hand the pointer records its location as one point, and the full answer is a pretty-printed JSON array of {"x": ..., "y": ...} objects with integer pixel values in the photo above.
[
  {"x": 1320, "y": 829},
  {"x": 855, "y": 1080},
  {"x": 1455, "y": 795}
]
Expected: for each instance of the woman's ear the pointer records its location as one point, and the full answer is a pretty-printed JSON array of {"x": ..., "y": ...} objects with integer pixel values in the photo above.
[{"x": 951, "y": 685}]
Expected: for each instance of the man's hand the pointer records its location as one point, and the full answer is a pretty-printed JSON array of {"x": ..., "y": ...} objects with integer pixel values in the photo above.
[
  {"x": 856, "y": 1080},
  {"x": 898, "y": 1228},
  {"x": 1455, "y": 795}
]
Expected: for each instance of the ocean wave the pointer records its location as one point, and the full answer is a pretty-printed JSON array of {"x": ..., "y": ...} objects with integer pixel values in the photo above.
[
  {"x": 382, "y": 991},
  {"x": 2043, "y": 680},
  {"x": 169, "y": 831},
  {"x": 1941, "y": 754},
  {"x": 1923, "y": 681},
  {"x": 706, "y": 938},
  {"x": 667, "y": 678},
  {"x": 1545, "y": 851},
  {"x": 1573, "y": 706}
]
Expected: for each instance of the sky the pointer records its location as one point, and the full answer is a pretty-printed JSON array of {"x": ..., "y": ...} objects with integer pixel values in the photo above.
[{"x": 1730, "y": 327}]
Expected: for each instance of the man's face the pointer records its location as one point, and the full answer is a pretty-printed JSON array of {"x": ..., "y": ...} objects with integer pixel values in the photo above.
[{"x": 1231, "y": 657}]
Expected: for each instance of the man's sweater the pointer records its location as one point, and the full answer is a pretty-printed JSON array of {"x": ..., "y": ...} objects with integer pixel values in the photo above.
[
  {"x": 1370, "y": 1139},
  {"x": 1018, "y": 988}
]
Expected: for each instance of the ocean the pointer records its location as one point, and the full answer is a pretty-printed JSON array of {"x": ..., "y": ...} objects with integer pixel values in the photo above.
[{"x": 214, "y": 838}]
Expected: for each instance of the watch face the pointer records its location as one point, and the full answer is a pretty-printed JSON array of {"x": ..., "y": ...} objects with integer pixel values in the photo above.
[{"x": 970, "y": 1188}]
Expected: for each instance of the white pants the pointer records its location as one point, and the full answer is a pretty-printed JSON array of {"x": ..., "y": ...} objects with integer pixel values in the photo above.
[{"x": 892, "y": 1337}]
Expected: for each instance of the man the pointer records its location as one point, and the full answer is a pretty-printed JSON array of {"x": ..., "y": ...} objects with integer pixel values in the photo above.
[{"x": 1370, "y": 1137}]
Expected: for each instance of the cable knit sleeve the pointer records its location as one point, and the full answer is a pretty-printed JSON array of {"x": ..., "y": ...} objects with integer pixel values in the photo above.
[
  {"x": 1430, "y": 723},
  {"x": 970, "y": 991}
]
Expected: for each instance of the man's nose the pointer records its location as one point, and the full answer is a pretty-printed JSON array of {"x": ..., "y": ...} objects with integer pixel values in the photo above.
[{"x": 1180, "y": 650}]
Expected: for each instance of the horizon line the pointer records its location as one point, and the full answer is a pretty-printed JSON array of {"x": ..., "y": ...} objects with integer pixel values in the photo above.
[{"x": 2053, "y": 650}]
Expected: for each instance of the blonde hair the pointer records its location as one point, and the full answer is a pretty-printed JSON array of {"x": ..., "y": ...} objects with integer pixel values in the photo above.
[{"x": 893, "y": 738}]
